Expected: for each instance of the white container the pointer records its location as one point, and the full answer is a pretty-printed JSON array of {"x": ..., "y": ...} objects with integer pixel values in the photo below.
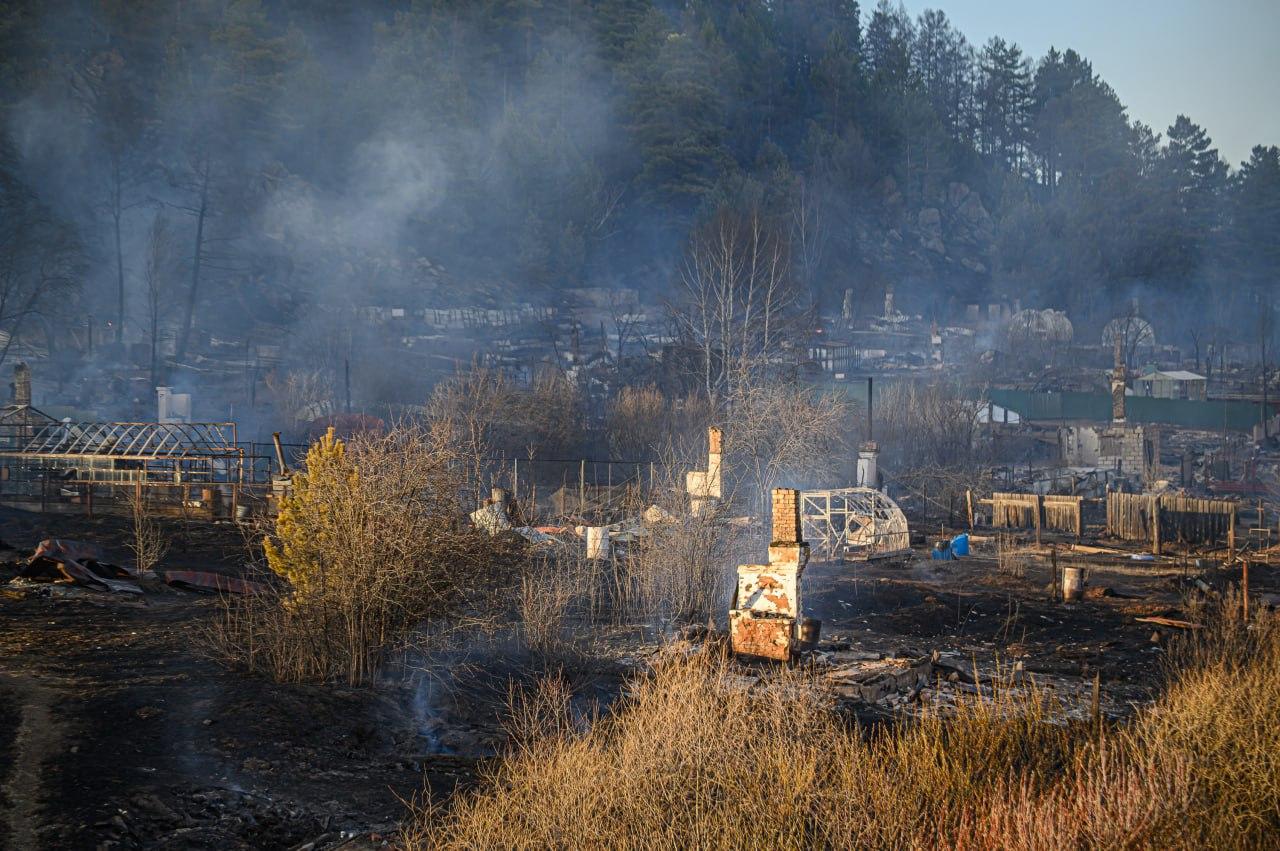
[
  {"x": 598, "y": 543},
  {"x": 1072, "y": 583}
]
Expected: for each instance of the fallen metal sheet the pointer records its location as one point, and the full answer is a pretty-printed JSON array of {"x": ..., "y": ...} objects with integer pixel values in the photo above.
[
  {"x": 75, "y": 561},
  {"x": 207, "y": 580},
  {"x": 491, "y": 518},
  {"x": 535, "y": 536}
]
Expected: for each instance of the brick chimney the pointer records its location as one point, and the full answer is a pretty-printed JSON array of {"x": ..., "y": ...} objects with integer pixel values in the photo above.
[
  {"x": 1118, "y": 382},
  {"x": 21, "y": 384},
  {"x": 786, "y": 516}
]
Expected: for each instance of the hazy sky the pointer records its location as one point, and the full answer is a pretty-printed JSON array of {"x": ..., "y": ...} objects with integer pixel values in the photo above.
[{"x": 1216, "y": 62}]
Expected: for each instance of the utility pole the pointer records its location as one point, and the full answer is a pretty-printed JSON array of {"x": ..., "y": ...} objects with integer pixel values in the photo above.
[{"x": 1264, "y": 331}]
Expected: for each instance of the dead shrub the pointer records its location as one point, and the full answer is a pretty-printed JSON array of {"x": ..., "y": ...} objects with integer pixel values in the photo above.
[
  {"x": 557, "y": 591},
  {"x": 929, "y": 426},
  {"x": 644, "y": 424},
  {"x": 638, "y": 422},
  {"x": 490, "y": 413},
  {"x": 147, "y": 540},
  {"x": 1011, "y": 559},
  {"x": 680, "y": 572}
]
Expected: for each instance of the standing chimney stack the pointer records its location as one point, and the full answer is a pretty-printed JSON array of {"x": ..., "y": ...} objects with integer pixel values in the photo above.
[
  {"x": 1118, "y": 380},
  {"x": 21, "y": 384}
]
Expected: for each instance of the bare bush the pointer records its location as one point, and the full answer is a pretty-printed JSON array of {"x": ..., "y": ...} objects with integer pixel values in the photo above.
[
  {"x": 785, "y": 434},
  {"x": 638, "y": 422},
  {"x": 681, "y": 571},
  {"x": 644, "y": 424},
  {"x": 932, "y": 445},
  {"x": 489, "y": 412},
  {"x": 373, "y": 543},
  {"x": 558, "y": 593},
  {"x": 1011, "y": 559},
  {"x": 147, "y": 539},
  {"x": 929, "y": 425},
  {"x": 302, "y": 395}
]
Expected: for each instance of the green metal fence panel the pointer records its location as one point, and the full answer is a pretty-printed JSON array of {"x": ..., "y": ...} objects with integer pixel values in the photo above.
[{"x": 1211, "y": 415}]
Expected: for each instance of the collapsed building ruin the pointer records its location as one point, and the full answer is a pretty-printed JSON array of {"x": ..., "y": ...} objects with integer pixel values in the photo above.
[
  {"x": 705, "y": 487},
  {"x": 1132, "y": 449},
  {"x": 765, "y": 620}
]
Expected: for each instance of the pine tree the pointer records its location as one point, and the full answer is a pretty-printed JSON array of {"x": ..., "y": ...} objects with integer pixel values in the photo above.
[
  {"x": 678, "y": 117},
  {"x": 1193, "y": 170},
  {"x": 303, "y": 529},
  {"x": 1256, "y": 218},
  {"x": 1004, "y": 104}
]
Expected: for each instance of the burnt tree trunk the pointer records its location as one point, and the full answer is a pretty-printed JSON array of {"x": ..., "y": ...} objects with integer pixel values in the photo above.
[{"x": 193, "y": 293}]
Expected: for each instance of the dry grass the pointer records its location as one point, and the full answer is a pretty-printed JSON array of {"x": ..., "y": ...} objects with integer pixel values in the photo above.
[
  {"x": 1011, "y": 559},
  {"x": 694, "y": 760}
]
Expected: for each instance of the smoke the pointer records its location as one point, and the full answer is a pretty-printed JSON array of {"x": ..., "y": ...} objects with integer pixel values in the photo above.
[
  {"x": 391, "y": 179},
  {"x": 439, "y": 155},
  {"x": 372, "y": 160}
]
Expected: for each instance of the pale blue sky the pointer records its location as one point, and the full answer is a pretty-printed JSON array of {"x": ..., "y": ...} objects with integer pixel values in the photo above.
[{"x": 1216, "y": 62}]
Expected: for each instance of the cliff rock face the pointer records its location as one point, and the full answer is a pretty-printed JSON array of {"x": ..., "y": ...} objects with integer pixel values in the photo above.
[{"x": 948, "y": 240}]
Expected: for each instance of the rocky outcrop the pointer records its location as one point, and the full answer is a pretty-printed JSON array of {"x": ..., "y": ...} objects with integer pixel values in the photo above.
[{"x": 952, "y": 237}]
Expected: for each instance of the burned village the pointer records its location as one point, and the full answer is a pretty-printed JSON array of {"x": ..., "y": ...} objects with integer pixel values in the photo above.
[{"x": 627, "y": 424}]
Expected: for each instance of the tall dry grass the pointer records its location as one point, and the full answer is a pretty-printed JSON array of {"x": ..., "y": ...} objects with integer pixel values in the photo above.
[{"x": 693, "y": 759}]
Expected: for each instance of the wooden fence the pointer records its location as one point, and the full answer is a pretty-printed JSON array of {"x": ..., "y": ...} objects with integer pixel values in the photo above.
[
  {"x": 1033, "y": 511},
  {"x": 1161, "y": 518}
]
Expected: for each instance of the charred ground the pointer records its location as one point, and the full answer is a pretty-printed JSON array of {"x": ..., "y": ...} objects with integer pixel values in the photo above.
[{"x": 121, "y": 731}]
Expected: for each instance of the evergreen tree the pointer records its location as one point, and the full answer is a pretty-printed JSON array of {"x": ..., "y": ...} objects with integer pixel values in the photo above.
[
  {"x": 1256, "y": 218},
  {"x": 1004, "y": 104}
]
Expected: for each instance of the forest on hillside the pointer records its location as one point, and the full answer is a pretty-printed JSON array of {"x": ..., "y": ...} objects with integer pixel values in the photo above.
[{"x": 212, "y": 162}]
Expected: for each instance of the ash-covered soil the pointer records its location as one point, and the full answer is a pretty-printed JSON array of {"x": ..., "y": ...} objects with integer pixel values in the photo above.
[
  {"x": 117, "y": 729},
  {"x": 987, "y": 624}
]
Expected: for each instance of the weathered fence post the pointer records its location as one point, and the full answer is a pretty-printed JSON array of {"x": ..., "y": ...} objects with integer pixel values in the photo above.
[
  {"x": 1244, "y": 591},
  {"x": 1155, "y": 524}
]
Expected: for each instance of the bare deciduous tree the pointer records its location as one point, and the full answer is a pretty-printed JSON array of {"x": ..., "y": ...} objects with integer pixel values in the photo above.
[
  {"x": 808, "y": 230},
  {"x": 158, "y": 276},
  {"x": 739, "y": 302},
  {"x": 624, "y": 319},
  {"x": 783, "y": 434},
  {"x": 41, "y": 258},
  {"x": 104, "y": 90}
]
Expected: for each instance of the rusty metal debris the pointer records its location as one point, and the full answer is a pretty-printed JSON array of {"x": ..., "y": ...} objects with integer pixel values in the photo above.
[
  {"x": 60, "y": 560},
  {"x": 207, "y": 580}
]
